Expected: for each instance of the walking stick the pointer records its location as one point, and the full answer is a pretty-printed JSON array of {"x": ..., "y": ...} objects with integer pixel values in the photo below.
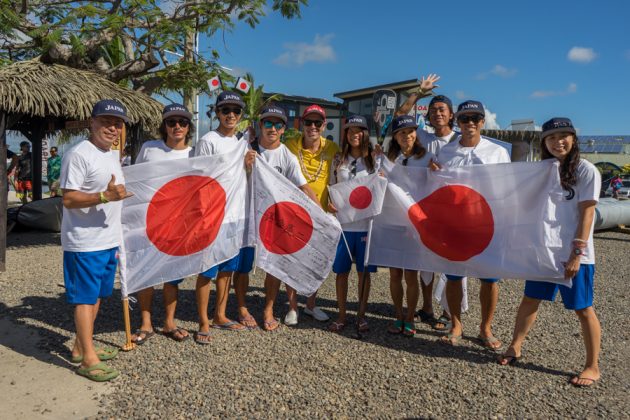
[{"x": 129, "y": 345}]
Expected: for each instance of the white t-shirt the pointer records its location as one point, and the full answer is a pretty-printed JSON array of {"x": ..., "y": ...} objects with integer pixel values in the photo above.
[
  {"x": 89, "y": 169},
  {"x": 344, "y": 173},
  {"x": 423, "y": 162},
  {"x": 157, "y": 150},
  {"x": 285, "y": 162},
  {"x": 215, "y": 143},
  {"x": 434, "y": 143},
  {"x": 485, "y": 152}
]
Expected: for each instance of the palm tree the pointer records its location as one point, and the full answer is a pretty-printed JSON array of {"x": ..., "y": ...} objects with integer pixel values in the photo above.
[{"x": 254, "y": 102}]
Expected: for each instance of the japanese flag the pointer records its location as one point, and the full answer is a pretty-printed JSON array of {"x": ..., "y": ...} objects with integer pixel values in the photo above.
[
  {"x": 185, "y": 216},
  {"x": 296, "y": 239},
  {"x": 359, "y": 198},
  {"x": 243, "y": 85},
  {"x": 482, "y": 220},
  {"x": 214, "y": 83}
]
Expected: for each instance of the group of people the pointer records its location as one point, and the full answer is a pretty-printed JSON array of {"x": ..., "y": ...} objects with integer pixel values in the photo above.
[
  {"x": 21, "y": 168},
  {"x": 93, "y": 186}
]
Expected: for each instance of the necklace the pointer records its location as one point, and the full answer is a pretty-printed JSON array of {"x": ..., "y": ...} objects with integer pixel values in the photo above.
[{"x": 309, "y": 177}]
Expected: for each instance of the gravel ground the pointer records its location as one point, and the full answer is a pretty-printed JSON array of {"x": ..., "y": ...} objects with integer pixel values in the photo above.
[{"x": 306, "y": 372}]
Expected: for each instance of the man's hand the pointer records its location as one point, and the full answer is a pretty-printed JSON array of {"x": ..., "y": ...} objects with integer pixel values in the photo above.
[
  {"x": 428, "y": 83},
  {"x": 434, "y": 166},
  {"x": 116, "y": 192},
  {"x": 331, "y": 207},
  {"x": 250, "y": 157},
  {"x": 572, "y": 266}
]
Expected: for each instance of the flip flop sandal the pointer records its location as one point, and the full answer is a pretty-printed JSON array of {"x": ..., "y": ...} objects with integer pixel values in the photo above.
[
  {"x": 409, "y": 330},
  {"x": 442, "y": 324},
  {"x": 490, "y": 342},
  {"x": 583, "y": 378},
  {"x": 202, "y": 341},
  {"x": 99, "y": 372},
  {"x": 248, "y": 319},
  {"x": 450, "y": 339},
  {"x": 336, "y": 326},
  {"x": 176, "y": 334},
  {"x": 363, "y": 326},
  {"x": 509, "y": 360},
  {"x": 103, "y": 353},
  {"x": 397, "y": 327},
  {"x": 425, "y": 317},
  {"x": 139, "y": 340},
  {"x": 230, "y": 326},
  {"x": 271, "y": 325}
]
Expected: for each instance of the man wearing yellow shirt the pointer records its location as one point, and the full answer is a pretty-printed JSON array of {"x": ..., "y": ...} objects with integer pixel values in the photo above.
[{"x": 315, "y": 155}]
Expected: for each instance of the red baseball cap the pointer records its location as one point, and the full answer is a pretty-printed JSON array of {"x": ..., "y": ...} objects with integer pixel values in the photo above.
[{"x": 314, "y": 109}]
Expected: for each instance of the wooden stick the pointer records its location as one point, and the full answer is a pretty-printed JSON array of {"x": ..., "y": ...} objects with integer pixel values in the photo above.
[{"x": 129, "y": 345}]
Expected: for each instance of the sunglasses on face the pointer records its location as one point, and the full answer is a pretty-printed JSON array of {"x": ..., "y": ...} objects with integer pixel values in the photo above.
[
  {"x": 468, "y": 118},
  {"x": 316, "y": 123},
  {"x": 173, "y": 123},
  {"x": 228, "y": 111},
  {"x": 269, "y": 124}
]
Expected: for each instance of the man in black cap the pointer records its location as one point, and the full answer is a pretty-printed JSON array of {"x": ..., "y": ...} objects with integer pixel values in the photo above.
[{"x": 93, "y": 187}]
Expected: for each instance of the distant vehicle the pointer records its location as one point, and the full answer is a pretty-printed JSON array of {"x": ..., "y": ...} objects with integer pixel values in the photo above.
[{"x": 624, "y": 191}]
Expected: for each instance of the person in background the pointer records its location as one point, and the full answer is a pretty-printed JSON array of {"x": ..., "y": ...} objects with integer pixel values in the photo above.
[
  {"x": 23, "y": 172},
  {"x": 53, "y": 172}
]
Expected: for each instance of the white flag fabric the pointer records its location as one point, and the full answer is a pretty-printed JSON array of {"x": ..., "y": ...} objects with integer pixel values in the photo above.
[
  {"x": 359, "y": 198},
  {"x": 214, "y": 83},
  {"x": 489, "y": 221},
  {"x": 185, "y": 216},
  {"x": 296, "y": 240},
  {"x": 243, "y": 84}
]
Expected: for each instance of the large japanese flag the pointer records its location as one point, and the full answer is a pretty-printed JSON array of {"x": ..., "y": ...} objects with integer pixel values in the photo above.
[
  {"x": 185, "y": 216},
  {"x": 296, "y": 240},
  {"x": 502, "y": 220},
  {"x": 359, "y": 198}
]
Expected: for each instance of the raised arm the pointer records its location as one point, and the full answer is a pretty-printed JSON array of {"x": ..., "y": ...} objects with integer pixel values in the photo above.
[{"x": 427, "y": 84}]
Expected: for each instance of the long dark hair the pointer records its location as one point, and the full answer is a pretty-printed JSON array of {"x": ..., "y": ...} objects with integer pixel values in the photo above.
[
  {"x": 365, "y": 145},
  {"x": 417, "y": 151},
  {"x": 189, "y": 135},
  {"x": 568, "y": 167}
]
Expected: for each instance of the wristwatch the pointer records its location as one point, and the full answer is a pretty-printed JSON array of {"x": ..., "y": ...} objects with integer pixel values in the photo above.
[{"x": 578, "y": 251}]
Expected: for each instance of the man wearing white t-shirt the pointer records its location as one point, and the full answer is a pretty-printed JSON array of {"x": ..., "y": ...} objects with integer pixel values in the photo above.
[
  {"x": 471, "y": 149},
  {"x": 93, "y": 185},
  {"x": 273, "y": 120},
  {"x": 176, "y": 131}
]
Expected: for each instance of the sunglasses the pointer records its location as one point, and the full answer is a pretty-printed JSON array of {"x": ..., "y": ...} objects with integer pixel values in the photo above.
[
  {"x": 228, "y": 111},
  {"x": 316, "y": 123},
  {"x": 353, "y": 168},
  {"x": 468, "y": 118},
  {"x": 269, "y": 124},
  {"x": 182, "y": 123}
]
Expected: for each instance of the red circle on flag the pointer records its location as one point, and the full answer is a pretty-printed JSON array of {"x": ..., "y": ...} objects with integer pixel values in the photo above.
[
  {"x": 285, "y": 228},
  {"x": 243, "y": 85},
  {"x": 455, "y": 222},
  {"x": 215, "y": 82},
  {"x": 361, "y": 197},
  {"x": 185, "y": 215}
]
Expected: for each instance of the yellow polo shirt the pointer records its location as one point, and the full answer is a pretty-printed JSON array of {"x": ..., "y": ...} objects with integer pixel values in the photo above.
[{"x": 317, "y": 165}]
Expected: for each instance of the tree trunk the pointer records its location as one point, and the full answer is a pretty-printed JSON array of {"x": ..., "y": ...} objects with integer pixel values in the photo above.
[{"x": 3, "y": 191}]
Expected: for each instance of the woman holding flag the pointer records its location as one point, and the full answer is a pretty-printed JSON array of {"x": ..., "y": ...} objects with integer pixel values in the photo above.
[
  {"x": 356, "y": 161},
  {"x": 581, "y": 184},
  {"x": 405, "y": 149}
]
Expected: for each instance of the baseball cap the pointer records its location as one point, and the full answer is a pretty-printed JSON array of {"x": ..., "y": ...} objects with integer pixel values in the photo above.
[
  {"x": 402, "y": 122},
  {"x": 470, "y": 107},
  {"x": 443, "y": 99},
  {"x": 273, "y": 111},
  {"x": 110, "y": 107},
  {"x": 229, "y": 98},
  {"x": 314, "y": 109},
  {"x": 176, "y": 110},
  {"x": 556, "y": 125},
  {"x": 357, "y": 121}
]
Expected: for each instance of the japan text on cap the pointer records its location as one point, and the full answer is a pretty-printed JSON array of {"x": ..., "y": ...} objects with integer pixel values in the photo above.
[
  {"x": 273, "y": 111},
  {"x": 314, "y": 109},
  {"x": 357, "y": 121},
  {"x": 471, "y": 107},
  {"x": 402, "y": 122},
  {"x": 110, "y": 107},
  {"x": 176, "y": 110},
  {"x": 557, "y": 125},
  {"x": 229, "y": 98}
]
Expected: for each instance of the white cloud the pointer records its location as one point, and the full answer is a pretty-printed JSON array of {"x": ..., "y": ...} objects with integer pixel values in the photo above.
[
  {"x": 300, "y": 53},
  {"x": 491, "y": 120},
  {"x": 537, "y": 94},
  {"x": 460, "y": 94},
  {"x": 581, "y": 54},
  {"x": 498, "y": 70}
]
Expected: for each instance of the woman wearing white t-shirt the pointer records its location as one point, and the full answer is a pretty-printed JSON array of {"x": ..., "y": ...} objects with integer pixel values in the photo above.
[
  {"x": 405, "y": 149},
  {"x": 356, "y": 161},
  {"x": 581, "y": 183},
  {"x": 176, "y": 131}
]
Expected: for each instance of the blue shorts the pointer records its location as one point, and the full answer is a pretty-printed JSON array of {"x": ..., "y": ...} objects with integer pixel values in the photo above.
[
  {"x": 577, "y": 297},
  {"x": 241, "y": 263},
  {"x": 457, "y": 278},
  {"x": 357, "y": 241},
  {"x": 175, "y": 282},
  {"x": 89, "y": 276}
]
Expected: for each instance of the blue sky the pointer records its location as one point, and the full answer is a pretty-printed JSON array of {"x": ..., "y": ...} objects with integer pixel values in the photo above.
[{"x": 529, "y": 59}]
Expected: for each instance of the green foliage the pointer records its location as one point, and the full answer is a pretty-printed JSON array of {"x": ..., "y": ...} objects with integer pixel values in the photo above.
[{"x": 254, "y": 102}]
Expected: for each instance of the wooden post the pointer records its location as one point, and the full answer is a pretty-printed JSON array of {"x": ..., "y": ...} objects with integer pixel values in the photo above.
[
  {"x": 3, "y": 191},
  {"x": 129, "y": 345}
]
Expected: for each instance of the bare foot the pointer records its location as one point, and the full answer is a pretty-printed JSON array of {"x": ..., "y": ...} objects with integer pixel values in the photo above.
[{"x": 588, "y": 377}]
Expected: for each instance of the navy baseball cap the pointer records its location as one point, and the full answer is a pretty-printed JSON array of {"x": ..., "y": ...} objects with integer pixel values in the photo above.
[
  {"x": 273, "y": 111},
  {"x": 176, "y": 110},
  {"x": 402, "y": 122},
  {"x": 357, "y": 121},
  {"x": 471, "y": 107},
  {"x": 557, "y": 125},
  {"x": 443, "y": 99},
  {"x": 110, "y": 107},
  {"x": 229, "y": 98}
]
